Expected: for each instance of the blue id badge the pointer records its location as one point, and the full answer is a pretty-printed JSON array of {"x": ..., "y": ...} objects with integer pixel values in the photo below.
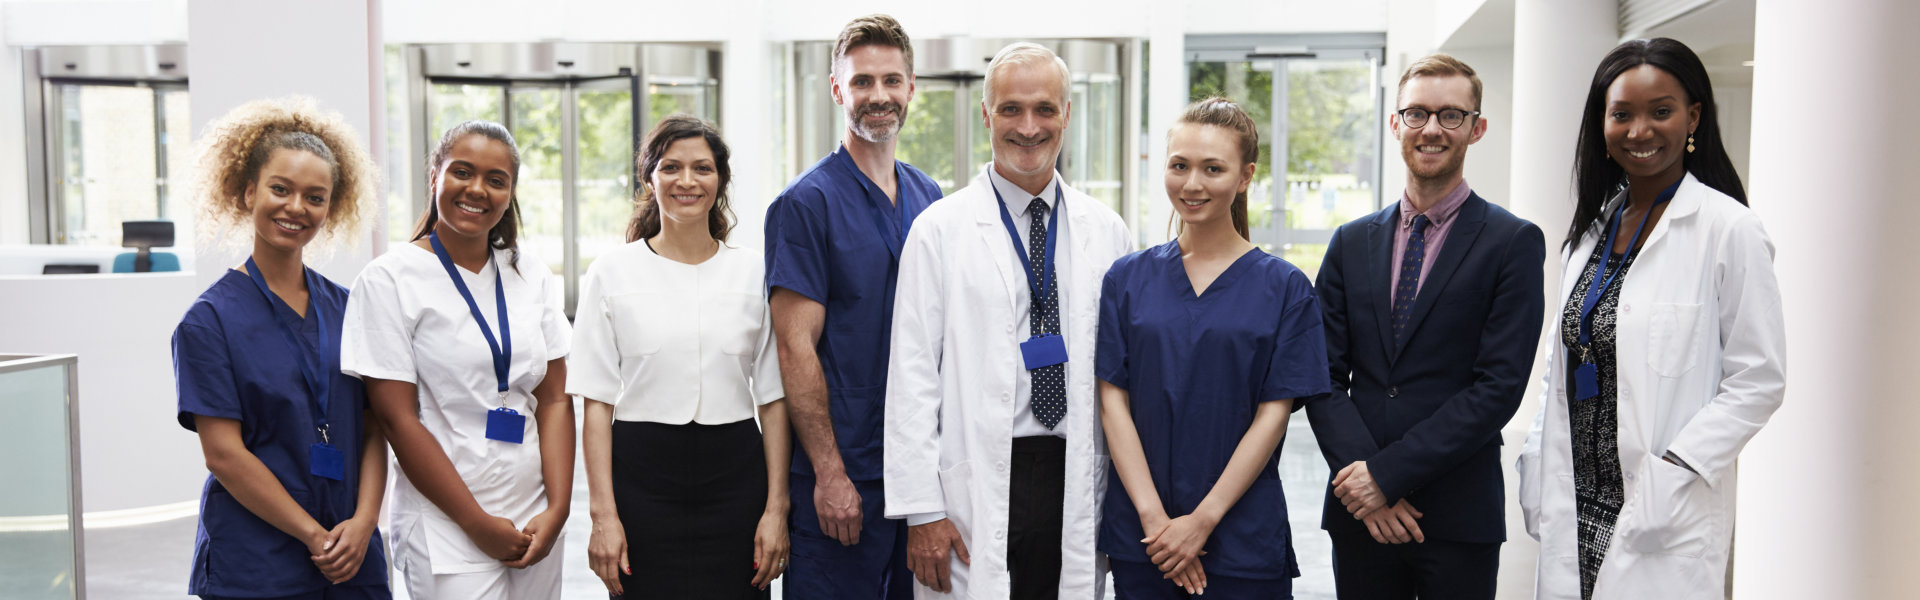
[
  {"x": 1586, "y": 382},
  {"x": 506, "y": 425},
  {"x": 1044, "y": 351},
  {"x": 327, "y": 461}
]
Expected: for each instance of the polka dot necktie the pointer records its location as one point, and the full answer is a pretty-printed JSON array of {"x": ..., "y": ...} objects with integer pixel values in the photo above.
[
  {"x": 1410, "y": 263},
  {"x": 1049, "y": 398}
]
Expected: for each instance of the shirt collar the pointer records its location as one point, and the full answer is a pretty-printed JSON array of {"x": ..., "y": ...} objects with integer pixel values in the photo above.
[
  {"x": 1017, "y": 199},
  {"x": 1441, "y": 212}
]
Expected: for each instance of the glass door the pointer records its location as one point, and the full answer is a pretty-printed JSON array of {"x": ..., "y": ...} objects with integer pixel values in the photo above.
[
  {"x": 1320, "y": 161},
  {"x": 576, "y": 142}
]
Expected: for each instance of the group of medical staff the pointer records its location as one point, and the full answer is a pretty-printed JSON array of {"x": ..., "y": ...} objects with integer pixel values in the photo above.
[{"x": 987, "y": 395}]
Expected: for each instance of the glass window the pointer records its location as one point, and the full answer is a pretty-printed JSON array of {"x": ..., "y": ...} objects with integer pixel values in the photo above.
[
  {"x": 115, "y": 147},
  {"x": 604, "y": 181},
  {"x": 535, "y": 123},
  {"x": 926, "y": 138}
]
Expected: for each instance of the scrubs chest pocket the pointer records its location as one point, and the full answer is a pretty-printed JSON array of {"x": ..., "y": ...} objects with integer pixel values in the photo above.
[
  {"x": 644, "y": 324},
  {"x": 1671, "y": 331}
]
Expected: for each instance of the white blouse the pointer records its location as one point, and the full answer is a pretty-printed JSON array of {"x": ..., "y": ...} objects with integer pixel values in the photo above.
[
  {"x": 405, "y": 321},
  {"x": 673, "y": 343}
]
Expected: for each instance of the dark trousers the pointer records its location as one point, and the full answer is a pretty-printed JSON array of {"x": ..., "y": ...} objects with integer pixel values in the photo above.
[
  {"x": 823, "y": 569},
  {"x": 1143, "y": 581},
  {"x": 1364, "y": 569},
  {"x": 1035, "y": 498},
  {"x": 332, "y": 592}
]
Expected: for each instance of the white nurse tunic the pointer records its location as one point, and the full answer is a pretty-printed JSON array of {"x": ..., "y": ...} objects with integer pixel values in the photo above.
[{"x": 405, "y": 321}]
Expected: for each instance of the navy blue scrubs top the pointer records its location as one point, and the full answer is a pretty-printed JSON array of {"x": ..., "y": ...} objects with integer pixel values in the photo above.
[
  {"x": 834, "y": 237},
  {"x": 230, "y": 360},
  {"x": 1195, "y": 369}
]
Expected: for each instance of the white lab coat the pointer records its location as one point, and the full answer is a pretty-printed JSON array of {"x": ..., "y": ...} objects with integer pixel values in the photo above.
[
  {"x": 1701, "y": 352},
  {"x": 951, "y": 379}
]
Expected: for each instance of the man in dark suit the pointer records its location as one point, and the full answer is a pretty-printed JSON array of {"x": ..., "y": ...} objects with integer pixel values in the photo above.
[{"x": 1432, "y": 309}]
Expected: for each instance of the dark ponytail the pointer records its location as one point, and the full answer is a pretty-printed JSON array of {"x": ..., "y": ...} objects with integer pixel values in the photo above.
[{"x": 505, "y": 235}]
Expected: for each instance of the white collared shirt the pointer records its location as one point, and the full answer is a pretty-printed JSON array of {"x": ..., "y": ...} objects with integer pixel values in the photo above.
[
  {"x": 668, "y": 342},
  {"x": 1016, "y": 200}
]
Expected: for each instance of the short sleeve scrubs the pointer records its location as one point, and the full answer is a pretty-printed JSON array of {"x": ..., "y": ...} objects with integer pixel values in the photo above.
[
  {"x": 232, "y": 361},
  {"x": 1195, "y": 368},
  {"x": 834, "y": 237}
]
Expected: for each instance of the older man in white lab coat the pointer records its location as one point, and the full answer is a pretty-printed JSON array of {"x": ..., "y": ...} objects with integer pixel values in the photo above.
[{"x": 993, "y": 444}]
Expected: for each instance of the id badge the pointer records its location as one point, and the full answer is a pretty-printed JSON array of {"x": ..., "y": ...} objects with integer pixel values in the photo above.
[
  {"x": 1044, "y": 351},
  {"x": 1586, "y": 382},
  {"x": 327, "y": 461},
  {"x": 506, "y": 425}
]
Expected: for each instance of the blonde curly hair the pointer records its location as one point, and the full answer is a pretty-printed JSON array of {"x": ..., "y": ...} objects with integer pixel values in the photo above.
[{"x": 233, "y": 149}]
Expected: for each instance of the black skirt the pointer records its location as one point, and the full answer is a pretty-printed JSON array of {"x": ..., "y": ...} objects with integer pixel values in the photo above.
[{"x": 690, "y": 497}]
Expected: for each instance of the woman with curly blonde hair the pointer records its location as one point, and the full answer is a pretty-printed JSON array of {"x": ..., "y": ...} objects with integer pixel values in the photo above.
[{"x": 298, "y": 470}]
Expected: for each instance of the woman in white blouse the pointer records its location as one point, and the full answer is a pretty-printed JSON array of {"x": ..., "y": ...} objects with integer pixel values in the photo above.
[
  {"x": 462, "y": 342},
  {"x": 675, "y": 353}
]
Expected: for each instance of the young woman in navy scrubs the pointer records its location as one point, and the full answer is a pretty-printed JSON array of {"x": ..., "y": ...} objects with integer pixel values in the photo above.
[
  {"x": 297, "y": 470},
  {"x": 462, "y": 340},
  {"x": 1206, "y": 345}
]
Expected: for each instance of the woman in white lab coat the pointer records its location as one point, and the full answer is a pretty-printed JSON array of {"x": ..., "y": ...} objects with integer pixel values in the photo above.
[{"x": 1670, "y": 352}]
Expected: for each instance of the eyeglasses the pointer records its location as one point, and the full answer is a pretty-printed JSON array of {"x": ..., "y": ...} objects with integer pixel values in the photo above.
[{"x": 1450, "y": 118}]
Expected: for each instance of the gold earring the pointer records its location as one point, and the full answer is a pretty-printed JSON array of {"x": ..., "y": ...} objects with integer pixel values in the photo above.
[{"x": 1689, "y": 143}]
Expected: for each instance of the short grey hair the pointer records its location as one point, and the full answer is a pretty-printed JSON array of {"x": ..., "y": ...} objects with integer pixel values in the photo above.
[{"x": 1025, "y": 53}]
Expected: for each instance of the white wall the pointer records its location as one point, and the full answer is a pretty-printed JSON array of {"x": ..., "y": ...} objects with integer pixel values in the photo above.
[
  {"x": 13, "y": 159},
  {"x": 428, "y": 21},
  {"x": 133, "y": 454},
  {"x": 235, "y": 60},
  {"x": 84, "y": 22}
]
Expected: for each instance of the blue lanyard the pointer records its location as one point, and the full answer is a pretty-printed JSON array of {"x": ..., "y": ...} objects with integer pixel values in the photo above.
[
  {"x": 503, "y": 349},
  {"x": 1594, "y": 293},
  {"x": 318, "y": 382},
  {"x": 1038, "y": 288}
]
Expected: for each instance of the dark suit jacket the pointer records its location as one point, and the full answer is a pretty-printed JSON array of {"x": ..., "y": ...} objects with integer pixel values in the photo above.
[{"x": 1426, "y": 415}]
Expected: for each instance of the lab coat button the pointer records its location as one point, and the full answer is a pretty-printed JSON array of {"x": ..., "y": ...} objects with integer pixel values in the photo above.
[
  {"x": 1000, "y": 535},
  {"x": 1393, "y": 391},
  {"x": 1000, "y": 466},
  {"x": 1006, "y": 397},
  {"x": 1626, "y": 308},
  {"x": 1629, "y": 475}
]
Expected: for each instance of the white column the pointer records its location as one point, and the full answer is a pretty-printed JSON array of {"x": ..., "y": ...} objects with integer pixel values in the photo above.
[
  {"x": 747, "y": 121},
  {"x": 240, "y": 51},
  {"x": 1166, "y": 97},
  {"x": 1557, "y": 44},
  {"x": 1826, "y": 487}
]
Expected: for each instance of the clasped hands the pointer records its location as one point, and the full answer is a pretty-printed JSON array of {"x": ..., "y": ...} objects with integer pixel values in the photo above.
[
  {"x": 1396, "y": 524},
  {"x": 1174, "y": 546}
]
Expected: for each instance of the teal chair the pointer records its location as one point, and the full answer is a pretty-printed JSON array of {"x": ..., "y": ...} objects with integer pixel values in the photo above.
[{"x": 144, "y": 236}]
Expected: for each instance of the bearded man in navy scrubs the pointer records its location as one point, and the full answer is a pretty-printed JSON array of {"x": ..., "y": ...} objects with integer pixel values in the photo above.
[
  {"x": 1432, "y": 310},
  {"x": 833, "y": 251}
]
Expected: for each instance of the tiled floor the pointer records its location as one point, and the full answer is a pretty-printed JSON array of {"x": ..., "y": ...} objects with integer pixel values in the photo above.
[{"x": 150, "y": 562}]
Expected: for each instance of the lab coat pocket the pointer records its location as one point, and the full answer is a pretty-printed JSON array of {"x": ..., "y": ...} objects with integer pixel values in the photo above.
[
  {"x": 1676, "y": 513},
  {"x": 1670, "y": 334},
  {"x": 956, "y": 483},
  {"x": 643, "y": 323}
]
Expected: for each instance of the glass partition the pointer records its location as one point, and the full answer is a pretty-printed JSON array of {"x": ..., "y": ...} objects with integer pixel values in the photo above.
[{"x": 40, "y": 544}]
